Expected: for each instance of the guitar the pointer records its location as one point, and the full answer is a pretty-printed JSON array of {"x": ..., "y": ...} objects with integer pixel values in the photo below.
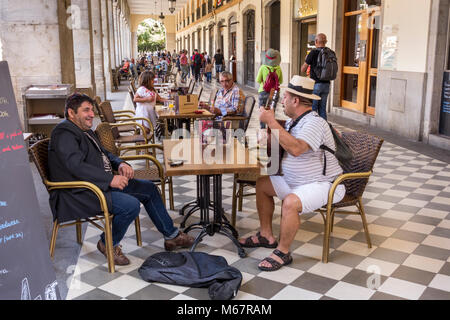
[{"x": 271, "y": 103}]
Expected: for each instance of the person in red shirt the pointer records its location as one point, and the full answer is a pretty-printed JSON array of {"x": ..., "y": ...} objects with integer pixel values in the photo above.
[{"x": 125, "y": 68}]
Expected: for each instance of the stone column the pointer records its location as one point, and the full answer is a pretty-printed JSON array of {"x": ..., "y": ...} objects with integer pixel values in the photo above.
[
  {"x": 105, "y": 38},
  {"x": 66, "y": 43},
  {"x": 97, "y": 42},
  {"x": 82, "y": 46},
  {"x": 134, "y": 42},
  {"x": 112, "y": 52}
]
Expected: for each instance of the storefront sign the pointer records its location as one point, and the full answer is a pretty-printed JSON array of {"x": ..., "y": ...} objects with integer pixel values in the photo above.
[
  {"x": 389, "y": 51},
  {"x": 444, "y": 123},
  {"x": 305, "y": 8},
  {"x": 26, "y": 272}
]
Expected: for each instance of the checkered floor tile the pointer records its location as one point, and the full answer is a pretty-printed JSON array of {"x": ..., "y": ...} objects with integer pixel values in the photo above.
[{"x": 407, "y": 202}]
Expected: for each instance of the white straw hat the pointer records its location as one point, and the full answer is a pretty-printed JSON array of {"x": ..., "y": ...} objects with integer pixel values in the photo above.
[{"x": 302, "y": 86}]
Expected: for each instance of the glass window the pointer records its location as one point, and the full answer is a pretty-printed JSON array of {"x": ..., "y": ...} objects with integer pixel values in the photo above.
[
  {"x": 351, "y": 87},
  {"x": 352, "y": 41},
  {"x": 372, "y": 91},
  {"x": 375, "y": 44},
  {"x": 355, "y": 5}
]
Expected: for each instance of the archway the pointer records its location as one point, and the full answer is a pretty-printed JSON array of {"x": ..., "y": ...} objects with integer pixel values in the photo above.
[
  {"x": 249, "y": 47},
  {"x": 232, "y": 27},
  {"x": 151, "y": 36},
  {"x": 274, "y": 18}
]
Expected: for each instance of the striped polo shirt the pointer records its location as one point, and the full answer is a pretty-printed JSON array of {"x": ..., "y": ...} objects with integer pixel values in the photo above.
[{"x": 308, "y": 167}]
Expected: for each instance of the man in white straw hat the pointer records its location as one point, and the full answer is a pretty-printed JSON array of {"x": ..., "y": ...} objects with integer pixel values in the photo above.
[{"x": 304, "y": 183}]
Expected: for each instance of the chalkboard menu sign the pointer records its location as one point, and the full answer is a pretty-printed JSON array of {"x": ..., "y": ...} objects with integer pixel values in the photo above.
[
  {"x": 26, "y": 272},
  {"x": 444, "y": 123}
]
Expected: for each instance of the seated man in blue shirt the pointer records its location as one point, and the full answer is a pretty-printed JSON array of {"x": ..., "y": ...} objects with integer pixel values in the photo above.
[{"x": 229, "y": 99}]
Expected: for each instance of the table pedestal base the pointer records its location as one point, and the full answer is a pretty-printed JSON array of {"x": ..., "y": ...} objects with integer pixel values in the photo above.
[{"x": 219, "y": 223}]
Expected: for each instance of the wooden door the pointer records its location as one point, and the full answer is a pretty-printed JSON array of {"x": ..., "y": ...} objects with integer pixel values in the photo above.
[
  {"x": 250, "y": 48},
  {"x": 360, "y": 59}
]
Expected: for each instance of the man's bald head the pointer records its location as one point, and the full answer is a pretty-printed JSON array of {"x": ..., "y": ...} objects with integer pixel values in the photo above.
[{"x": 321, "y": 39}]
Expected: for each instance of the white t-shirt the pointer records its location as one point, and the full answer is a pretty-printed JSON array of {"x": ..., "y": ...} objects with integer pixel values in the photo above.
[
  {"x": 308, "y": 167},
  {"x": 146, "y": 109}
]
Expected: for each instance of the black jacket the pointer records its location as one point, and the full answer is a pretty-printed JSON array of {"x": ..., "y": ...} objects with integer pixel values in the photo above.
[
  {"x": 193, "y": 269},
  {"x": 73, "y": 157}
]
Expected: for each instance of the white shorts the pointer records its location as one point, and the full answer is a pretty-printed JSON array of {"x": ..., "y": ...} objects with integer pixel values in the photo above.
[{"x": 313, "y": 196}]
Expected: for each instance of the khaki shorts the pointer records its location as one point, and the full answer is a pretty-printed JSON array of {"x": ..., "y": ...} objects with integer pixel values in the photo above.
[{"x": 313, "y": 195}]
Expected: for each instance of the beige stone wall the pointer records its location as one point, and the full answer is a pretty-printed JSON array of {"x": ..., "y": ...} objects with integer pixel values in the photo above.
[{"x": 30, "y": 39}]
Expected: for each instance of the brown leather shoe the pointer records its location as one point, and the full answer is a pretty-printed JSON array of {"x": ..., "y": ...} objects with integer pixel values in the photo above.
[
  {"x": 119, "y": 257},
  {"x": 182, "y": 240}
]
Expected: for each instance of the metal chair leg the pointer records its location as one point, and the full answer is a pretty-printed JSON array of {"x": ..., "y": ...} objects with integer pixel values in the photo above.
[
  {"x": 364, "y": 221},
  {"x": 137, "y": 226},
  {"x": 233, "y": 205},
  {"x": 163, "y": 192},
  {"x": 53, "y": 239},
  {"x": 326, "y": 237},
  {"x": 78, "y": 226},
  {"x": 109, "y": 244},
  {"x": 171, "y": 204}
]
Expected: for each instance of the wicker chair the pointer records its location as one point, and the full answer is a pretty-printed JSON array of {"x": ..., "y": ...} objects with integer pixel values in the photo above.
[
  {"x": 200, "y": 93},
  {"x": 130, "y": 124},
  {"x": 39, "y": 154},
  {"x": 191, "y": 87},
  {"x": 153, "y": 172},
  {"x": 365, "y": 148},
  {"x": 130, "y": 92},
  {"x": 244, "y": 119},
  {"x": 132, "y": 85},
  {"x": 118, "y": 116}
]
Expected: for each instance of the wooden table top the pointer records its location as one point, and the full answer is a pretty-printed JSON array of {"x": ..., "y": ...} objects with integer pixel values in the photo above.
[
  {"x": 166, "y": 114},
  {"x": 207, "y": 160}
]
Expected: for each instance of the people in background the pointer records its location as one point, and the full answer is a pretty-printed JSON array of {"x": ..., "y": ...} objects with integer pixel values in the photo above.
[
  {"x": 146, "y": 98},
  {"x": 219, "y": 62},
  {"x": 198, "y": 60},
  {"x": 208, "y": 70},
  {"x": 184, "y": 63},
  {"x": 271, "y": 62},
  {"x": 321, "y": 88}
]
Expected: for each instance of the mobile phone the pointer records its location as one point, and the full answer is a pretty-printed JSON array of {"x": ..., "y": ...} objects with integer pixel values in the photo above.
[{"x": 175, "y": 163}]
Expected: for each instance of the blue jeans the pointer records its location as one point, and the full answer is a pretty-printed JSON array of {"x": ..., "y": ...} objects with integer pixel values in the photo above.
[
  {"x": 320, "y": 106},
  {"x": 208, "y": 76},
  {"x": 126, "y": 207},
  {"x": 218, "y": 70}
]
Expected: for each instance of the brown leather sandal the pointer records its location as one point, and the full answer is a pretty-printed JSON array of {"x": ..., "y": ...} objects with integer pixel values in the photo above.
[
  {"x": 286, "y": 257},
  {"x": 262, "y": 242}
]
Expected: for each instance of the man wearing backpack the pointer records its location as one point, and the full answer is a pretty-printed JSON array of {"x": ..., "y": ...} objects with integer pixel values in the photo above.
[
  {"x": 198, "y": 58},
  {"x": 269, "y": 76},
  {"x": 323, "y": 63}
]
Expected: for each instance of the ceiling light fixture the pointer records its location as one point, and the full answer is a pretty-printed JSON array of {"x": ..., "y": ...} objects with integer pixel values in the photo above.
[
  {"x": 172, "y": 6},
  {"x": 161, "y": 17}
]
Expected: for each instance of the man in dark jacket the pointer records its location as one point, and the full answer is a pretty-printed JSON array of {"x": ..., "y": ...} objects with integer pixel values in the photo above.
[{"x": 75, "y": 154}]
